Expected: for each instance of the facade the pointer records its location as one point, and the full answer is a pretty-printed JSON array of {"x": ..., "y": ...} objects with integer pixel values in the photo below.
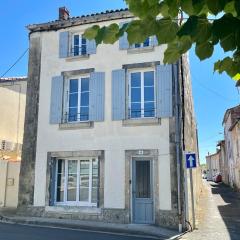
[
  {"x": 12, "y": 96},
  {"x": 223, "y": 162},
  {"x": 231, "y": 134},
  {"x": 103, "y": 136},
  {"x": 213, "y": 165}
]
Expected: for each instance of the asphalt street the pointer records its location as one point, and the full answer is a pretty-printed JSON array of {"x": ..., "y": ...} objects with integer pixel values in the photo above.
[{"x": 25, "y": 232}]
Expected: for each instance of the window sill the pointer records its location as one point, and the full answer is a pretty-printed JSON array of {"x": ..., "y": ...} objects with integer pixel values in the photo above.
[
  {"x": 74, "y": 58},
  {"x": 141, "y": 122},
  {"x": 140, "y": 50},
  {"x": 78, "y": 125}
]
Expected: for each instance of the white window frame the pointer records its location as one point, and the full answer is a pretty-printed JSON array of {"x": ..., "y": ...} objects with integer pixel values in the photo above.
[
  {"x": 142, "y": 71},
  {"x": 142, "y": 44},
  {"x": 77, "y": 202},
  {"x": 67, "y": 98},
  {"x": 72, "y": 45}
]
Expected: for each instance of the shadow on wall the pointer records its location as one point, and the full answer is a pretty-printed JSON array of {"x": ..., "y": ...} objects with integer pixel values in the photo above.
[{"x": 231, "y": 211}]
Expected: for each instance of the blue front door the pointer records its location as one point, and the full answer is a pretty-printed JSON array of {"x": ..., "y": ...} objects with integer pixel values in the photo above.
[{"x": 142, "y": 191}]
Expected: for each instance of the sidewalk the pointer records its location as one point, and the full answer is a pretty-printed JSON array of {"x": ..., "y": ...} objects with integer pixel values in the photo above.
[
  {"x": 219, "y": 214},
  {"x": 135, "y": 229}
]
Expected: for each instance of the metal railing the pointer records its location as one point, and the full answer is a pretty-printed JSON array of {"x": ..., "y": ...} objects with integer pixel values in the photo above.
[
  {"x": 78, "y": 117},
  {"x": 78, "y": 51},
  {"x": 141, "y": 113}
]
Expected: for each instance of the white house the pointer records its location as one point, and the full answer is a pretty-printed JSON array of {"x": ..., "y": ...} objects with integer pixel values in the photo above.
[{"x": 103, "y": 136}]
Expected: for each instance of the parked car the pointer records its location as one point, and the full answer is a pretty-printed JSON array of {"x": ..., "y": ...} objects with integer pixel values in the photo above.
[{"x": 217, "y": 178}]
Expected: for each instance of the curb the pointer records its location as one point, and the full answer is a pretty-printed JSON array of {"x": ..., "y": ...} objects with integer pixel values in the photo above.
[{"x": 85, "y": 227}]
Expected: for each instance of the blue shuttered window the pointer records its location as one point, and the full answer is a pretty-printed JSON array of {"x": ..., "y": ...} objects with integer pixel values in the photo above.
[
  {"x": 91, "y": 47},
  {"x": 164, "y": 90},
  {"x": 56, "y": 100},
  {"x": 63, "y": 44},
  {"x": 96, "y": 96},
  {"x": 118, "y": 94}
]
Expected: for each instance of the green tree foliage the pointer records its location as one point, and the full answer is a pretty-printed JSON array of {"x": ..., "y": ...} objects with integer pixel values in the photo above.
[{"x": 205, "y": 24}]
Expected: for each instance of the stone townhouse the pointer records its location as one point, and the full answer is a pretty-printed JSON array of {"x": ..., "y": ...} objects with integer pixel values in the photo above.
[
  {"x": 106, "y": 127},
  {"x": 231, "y": 136}
]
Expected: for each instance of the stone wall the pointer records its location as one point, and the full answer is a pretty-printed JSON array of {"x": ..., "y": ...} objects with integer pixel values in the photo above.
[{"x": 27, "y": 171}]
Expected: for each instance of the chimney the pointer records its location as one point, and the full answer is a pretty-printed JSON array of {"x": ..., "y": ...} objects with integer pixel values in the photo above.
[{"x": 63, "y": 13}]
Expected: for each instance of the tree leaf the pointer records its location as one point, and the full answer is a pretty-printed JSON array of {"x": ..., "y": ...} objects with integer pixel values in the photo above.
[
  {"x": 171, "y": 55},
  {"x": 91, "y": 33},
  {"x": 110, "y": 34},
  {"x": 230, "y": 8},
  {"x": 204, "y": 50},
  {"x": 203, "y": 30},
  {"x": 216, "y": 6},
  {"x": 188, "y": 27},
  {"x": 166, "y": 30}
]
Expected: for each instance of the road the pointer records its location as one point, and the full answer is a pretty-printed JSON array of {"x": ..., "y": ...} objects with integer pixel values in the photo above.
[
  {"x": 219, "y": 214},
  {"x": 24, "y": 232}
]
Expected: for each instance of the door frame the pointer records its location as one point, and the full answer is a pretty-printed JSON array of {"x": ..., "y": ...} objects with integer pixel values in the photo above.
[{"x": 142, "y": 158}]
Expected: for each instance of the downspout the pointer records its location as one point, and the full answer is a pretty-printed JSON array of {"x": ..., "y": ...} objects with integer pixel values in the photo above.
[{"x": 178, "y": 142}]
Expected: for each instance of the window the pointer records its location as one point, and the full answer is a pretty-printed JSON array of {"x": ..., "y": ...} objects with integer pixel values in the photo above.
[
  {"x": 141, "y": 94},
  {"x": 146, "y": 43},
  {"x": 79, "y": 45},
  {"x": 77, "y": 182},
  {"x": 78, "y": 100}
]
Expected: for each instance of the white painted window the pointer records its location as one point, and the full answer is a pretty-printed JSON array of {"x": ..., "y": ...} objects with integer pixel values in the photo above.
[
  {"x": 77, "y": 182},
  {"x": 146, "y": 43},
  {"x": 141, "y": 93},
  {"x": 79, "y": 45},
  {"x": 77, "y": 99}
]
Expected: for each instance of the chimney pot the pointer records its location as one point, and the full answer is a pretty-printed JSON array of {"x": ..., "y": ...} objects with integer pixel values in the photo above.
[{"x": 63, "y": 13}]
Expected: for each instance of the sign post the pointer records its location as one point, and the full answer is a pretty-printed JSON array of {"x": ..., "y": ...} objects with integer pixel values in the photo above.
[{"x": 191, "y": 162}]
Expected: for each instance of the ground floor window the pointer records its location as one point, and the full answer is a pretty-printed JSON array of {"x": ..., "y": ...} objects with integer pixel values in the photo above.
[{"x": 77, "y": 181}]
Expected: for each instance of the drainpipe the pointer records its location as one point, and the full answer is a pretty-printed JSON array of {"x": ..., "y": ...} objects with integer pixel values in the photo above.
[{"x": 178, "y": 142}]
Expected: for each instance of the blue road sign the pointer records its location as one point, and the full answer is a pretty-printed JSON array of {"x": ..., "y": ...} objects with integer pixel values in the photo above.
[{"x": 191, "y": 160}]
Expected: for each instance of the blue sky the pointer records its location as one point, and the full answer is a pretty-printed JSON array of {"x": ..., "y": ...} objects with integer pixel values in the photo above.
[{"x": 213, "y": 93}]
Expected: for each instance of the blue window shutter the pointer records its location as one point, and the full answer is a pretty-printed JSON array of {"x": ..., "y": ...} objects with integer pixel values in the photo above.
[
  {"x": 91, "y": 47},
  {"x": 164, "y": 80},
  {"x": 52, "y": 184},
  {"x": 96, "y": 96},
  {"x": 118, "y": 94},
  {"x": 123, "y": 41},
  {"x": 56, "y": 100},
  {"x": 154, "y": 41},
  {"x": 63, "y": 44}
]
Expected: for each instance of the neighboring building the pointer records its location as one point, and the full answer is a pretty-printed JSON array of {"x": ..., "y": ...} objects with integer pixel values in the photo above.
[
  {"x": 235, "y": 133},
  {"x": 9, "y": 180},
  {"x": 230, "y": 122},
  {"x": 12, "y": 108},
  {"x": 223, "y": 162},
  {"x": 213, "y": 165},
  {"x": 105, "y": 127}
]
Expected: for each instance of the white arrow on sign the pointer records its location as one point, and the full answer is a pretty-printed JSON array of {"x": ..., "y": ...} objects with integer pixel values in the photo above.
[{"x": 191, "y": 161}]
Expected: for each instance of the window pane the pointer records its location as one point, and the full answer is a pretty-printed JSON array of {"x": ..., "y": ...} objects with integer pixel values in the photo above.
[
  {"x": 149, "y": 110},
  {"x": 73, "y": 100},
  {"x": 95, "y": 180},
  {"x": 85, "y": 99},
  {"x": 136, "y": 79},
  {"x": 72, "y": 180},
  {"x": 60, "y": 181},
  {"x": 73, "y": 115},
  {"x": 149, "y": 78},
  {"x": 135, "y": 110},
  {"x": 143, "y": 186},
  {"x": 146, "y": 42},
  {"x": 84, "y": 113},
  {"x": 84, "y": 180},
  {"x": 73, "y": 86},
  {"x": 76, "y": 40},
  {"x": 84, "y": 41},
  {"x": 76, "y": 50},
  {"x": 84, "y": 84},
  {"x": 137, "y": 45},
  {"x": 136, "y": 95},
  {"x": 148, "y": 94}
]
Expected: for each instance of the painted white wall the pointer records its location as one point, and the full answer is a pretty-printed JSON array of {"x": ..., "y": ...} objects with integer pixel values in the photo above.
[{"x": 109, "y": 135}]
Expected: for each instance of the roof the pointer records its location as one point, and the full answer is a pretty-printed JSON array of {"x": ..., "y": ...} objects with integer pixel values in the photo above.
[
  {"x": 214, "y": 154},
  {"x": 235, "y": 113},
  {"x": 12, "y": 79},
  {"x": 81, "y": 20}
]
